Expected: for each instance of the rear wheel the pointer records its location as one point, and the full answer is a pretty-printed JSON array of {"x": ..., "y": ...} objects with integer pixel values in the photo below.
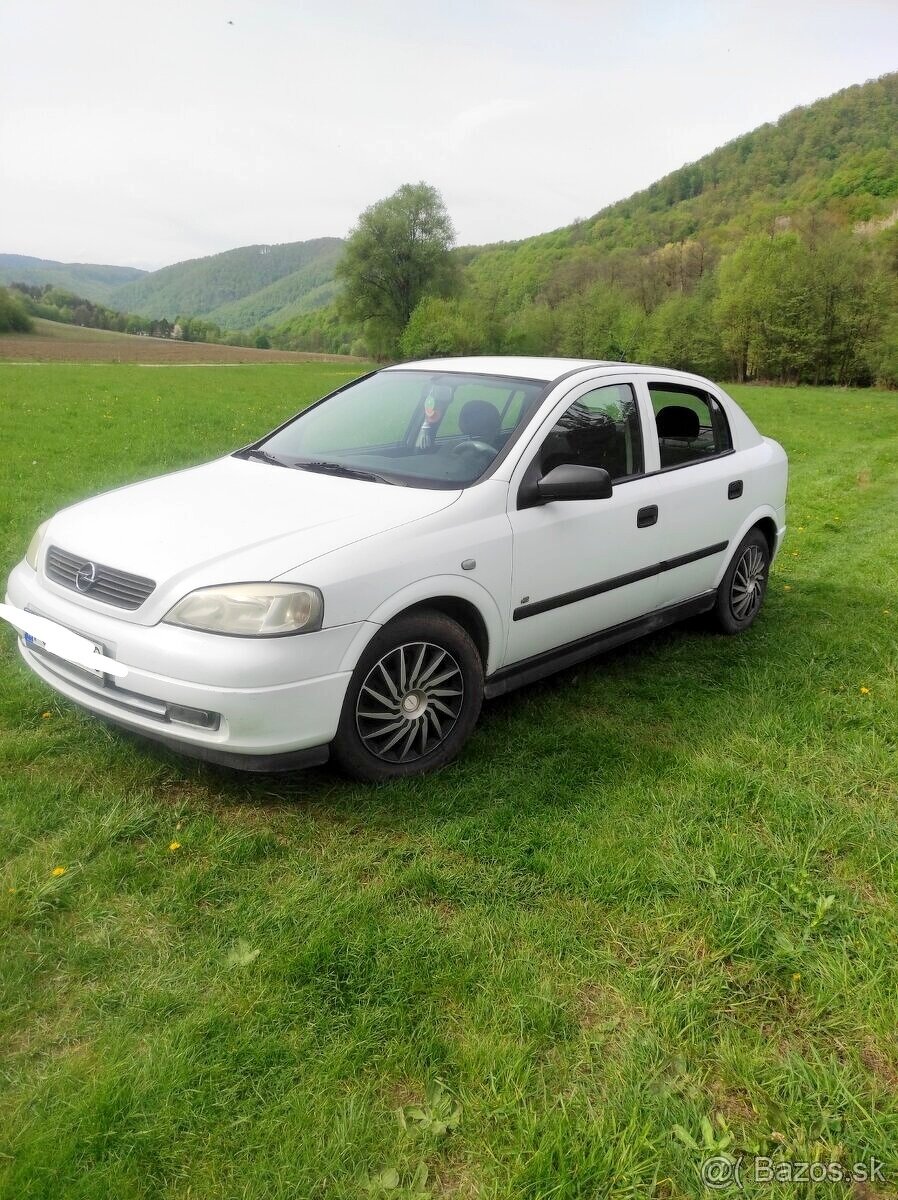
[
  {"x": 413, "y": 699},
  {"x": 743, "y": 587}
]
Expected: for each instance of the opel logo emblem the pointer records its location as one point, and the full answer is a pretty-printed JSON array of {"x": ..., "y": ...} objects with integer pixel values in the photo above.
[{"x": 86, "y": 576}]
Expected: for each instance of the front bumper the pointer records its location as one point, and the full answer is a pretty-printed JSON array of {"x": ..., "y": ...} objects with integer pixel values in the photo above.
[{"x": 270, "y": 697}]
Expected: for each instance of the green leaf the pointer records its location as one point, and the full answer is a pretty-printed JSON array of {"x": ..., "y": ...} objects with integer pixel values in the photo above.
[
  {"x": 242, "y": 954},
  {"x": 707, "y": 1132},
  {"x": 419, "y": 1179},
  {"x": 388, "y": 1179},
  {"x": 686, "y": 1138}
]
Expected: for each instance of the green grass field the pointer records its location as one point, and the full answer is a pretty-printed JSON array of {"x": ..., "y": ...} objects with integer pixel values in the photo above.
[{"x": 649, "y": 916}]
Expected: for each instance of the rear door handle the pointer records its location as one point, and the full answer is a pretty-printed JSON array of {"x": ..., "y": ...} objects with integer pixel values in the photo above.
[
  {"x": 734, "y": 491},
  {"x": 647, "y": 516}
]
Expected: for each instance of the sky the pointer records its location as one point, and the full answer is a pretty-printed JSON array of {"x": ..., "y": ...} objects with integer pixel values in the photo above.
[{"x": 144, "y": 134}]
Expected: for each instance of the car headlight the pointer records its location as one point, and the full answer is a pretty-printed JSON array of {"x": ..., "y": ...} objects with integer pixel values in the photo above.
[
  {"x": 34, "y": 546},
  {"x": 251, "y": 609}
]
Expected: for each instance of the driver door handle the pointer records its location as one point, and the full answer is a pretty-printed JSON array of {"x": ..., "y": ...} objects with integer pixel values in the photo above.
[{"x": 647, "y": 516}]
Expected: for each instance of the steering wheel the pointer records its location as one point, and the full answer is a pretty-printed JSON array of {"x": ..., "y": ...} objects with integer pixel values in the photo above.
[{"x": 474, "y": 444}]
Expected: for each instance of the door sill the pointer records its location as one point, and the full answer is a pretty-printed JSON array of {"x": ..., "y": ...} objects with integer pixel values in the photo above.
[{"x": 529, "y": 670}]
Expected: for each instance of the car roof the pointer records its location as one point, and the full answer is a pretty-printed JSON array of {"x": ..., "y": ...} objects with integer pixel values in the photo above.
[{"x": 526, "y": 367}]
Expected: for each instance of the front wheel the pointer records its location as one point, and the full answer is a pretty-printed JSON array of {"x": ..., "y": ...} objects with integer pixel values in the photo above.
[
  {"x": 743, "y": 587},
  {"x": 413, "y": 699}
]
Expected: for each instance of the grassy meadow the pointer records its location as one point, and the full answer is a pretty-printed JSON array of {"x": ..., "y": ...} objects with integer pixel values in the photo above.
[{"x": 649, "y": 917}]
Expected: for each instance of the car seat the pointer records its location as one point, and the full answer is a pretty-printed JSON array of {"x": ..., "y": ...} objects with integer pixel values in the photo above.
[{"x": 480, "y": 420}]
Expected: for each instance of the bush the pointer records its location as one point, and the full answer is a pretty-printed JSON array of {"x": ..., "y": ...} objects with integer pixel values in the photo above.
[
  {"x": 439, "y": 327},
  {"x": 13, "y": 318},
  {"x": 532, "y": 330},
  {"x": 884, "y": 356}
]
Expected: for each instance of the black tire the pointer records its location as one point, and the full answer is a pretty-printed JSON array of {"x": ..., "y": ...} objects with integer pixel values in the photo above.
[
  {"x": 413, "y": 699},
  {"x": 743, "y": 587}
]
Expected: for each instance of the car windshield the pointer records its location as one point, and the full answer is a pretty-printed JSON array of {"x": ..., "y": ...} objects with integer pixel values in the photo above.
[{"x": 420, "y": 428}]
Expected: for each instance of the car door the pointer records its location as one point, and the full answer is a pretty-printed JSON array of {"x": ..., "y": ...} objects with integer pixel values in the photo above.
[
  {"x": 698, "y": 489},
  {"x": 581, "y": 566}
]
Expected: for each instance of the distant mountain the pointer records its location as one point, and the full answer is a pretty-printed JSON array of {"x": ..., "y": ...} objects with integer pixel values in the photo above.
[
  {"x": 238, "y": 288},
  {"x": 311, "y": 287},
  {"x": 90, "y": 280}
]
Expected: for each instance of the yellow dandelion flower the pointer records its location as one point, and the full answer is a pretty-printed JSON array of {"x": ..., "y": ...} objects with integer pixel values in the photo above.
[
  {"x": 174, "y": 846},
  {"x": 796, "y": 976},
  {"x": 57, "y": 871},
  {"x": 10, "y": 890},
  {"x": 865, "y": 691},
  {"x": 46, "y": 714},
  {"x": 787, "y": 587}
]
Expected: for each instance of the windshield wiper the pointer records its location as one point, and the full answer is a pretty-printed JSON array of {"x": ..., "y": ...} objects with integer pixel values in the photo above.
[
  {"x": 332, "y": 468},
  {"x": 262, "y": 455}
]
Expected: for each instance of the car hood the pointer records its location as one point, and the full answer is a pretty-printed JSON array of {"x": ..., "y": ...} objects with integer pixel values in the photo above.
[{"x": 228, "y": 521}]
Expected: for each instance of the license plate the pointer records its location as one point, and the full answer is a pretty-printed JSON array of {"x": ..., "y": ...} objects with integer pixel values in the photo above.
[{"x": 35, "y": 643}]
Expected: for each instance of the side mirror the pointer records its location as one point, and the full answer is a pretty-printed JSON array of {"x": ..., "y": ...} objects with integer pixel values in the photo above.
[{"x": 571, "y": 481}]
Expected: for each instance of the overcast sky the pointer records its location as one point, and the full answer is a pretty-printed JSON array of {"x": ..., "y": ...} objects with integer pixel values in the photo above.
[{"x": 147, "y": 133}]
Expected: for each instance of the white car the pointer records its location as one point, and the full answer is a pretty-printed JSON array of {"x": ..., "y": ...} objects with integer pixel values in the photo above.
[{"x": 356, "y": 582}]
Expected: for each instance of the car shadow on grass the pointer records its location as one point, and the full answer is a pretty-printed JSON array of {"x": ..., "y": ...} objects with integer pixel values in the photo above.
[{"x": 636, "y": 708}]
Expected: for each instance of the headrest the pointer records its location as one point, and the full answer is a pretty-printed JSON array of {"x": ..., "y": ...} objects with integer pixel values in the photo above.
[
  {"x": 479, "y": 419},
  {"x": 677, "y": 421}
]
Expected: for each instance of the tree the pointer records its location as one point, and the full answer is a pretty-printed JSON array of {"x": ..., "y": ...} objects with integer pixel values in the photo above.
[
  {"x": 604, "y": 323},
  {"x": 884, "y": 356},
  {"x": 764, "y": 300},
  {"x": 397, "y": 254},
  {"x": 801, "y": 309},
  {"x": 438, "y": 327},
  {"x": 12, "y": 315},
  {"x": 681, "y": 333},
  {"x": 533, "y": 330}
]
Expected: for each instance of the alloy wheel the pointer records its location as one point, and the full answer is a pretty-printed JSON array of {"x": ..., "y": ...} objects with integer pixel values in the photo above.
[
  {"x": 747, "y": 589},
  {"x": 409, "y": 702}
]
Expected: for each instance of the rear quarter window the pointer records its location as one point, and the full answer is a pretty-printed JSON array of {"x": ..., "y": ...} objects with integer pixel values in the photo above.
[{"x": 691, "y": 424}]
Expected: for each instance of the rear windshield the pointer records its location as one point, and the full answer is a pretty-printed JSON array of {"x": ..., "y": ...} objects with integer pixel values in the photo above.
[{"x": 421, "y": 428}]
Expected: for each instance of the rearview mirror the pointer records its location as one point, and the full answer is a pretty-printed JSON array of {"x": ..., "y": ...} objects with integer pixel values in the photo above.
[{"x": 571, "y": 481}]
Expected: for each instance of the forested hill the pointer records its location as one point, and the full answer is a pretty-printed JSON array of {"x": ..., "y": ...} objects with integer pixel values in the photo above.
[
  {"x": 774, "y": 257},
  {"x": 91, "y": 280},
  {"x": 838, "y": 156},
  {"x": 239, "y": 288}
]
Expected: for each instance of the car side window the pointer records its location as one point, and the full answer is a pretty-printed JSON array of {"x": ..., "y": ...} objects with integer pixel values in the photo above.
[
  {"x": 600, "y": 429},
  {"x": 691, "y": 424}
]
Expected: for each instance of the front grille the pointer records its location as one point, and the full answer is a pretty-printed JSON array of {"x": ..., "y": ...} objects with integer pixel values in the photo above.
[{"x": 97, "y": 581}]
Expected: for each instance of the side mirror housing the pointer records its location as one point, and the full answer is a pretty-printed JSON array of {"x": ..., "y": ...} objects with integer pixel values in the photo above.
[{"x": 571, "y": 481}]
